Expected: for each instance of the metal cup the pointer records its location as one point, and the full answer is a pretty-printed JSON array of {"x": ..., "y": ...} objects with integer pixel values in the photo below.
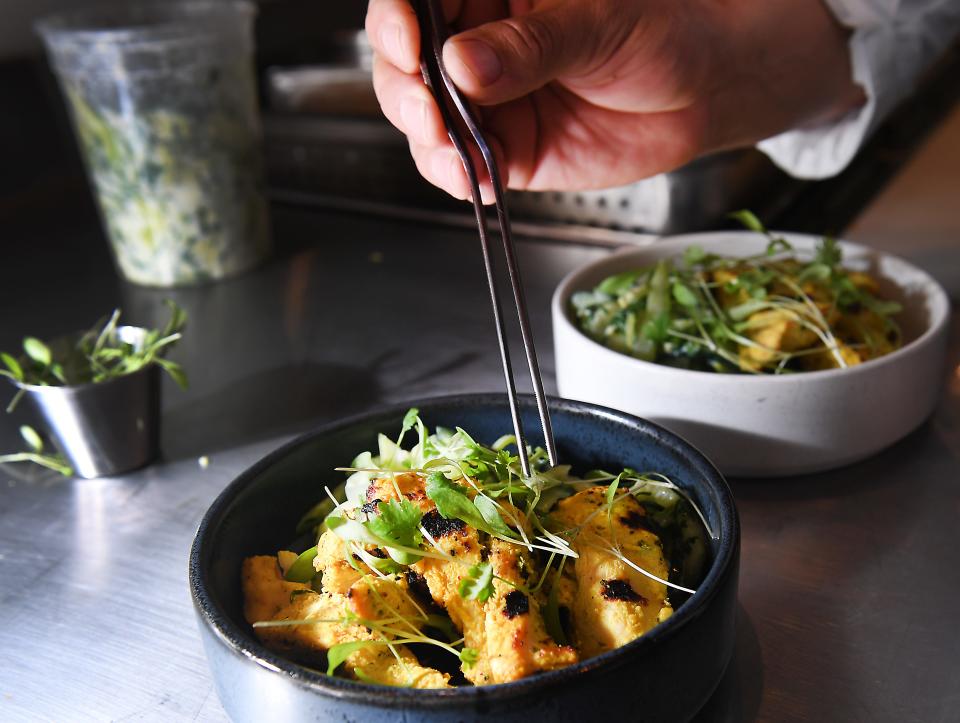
[{"x": 104, "y": 428}]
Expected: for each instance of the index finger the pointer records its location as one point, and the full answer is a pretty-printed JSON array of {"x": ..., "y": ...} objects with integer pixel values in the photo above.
[{"x": 393, "y": 32}]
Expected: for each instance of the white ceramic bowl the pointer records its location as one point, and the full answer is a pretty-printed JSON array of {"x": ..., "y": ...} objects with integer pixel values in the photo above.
[{"x": 767, "y": 425}]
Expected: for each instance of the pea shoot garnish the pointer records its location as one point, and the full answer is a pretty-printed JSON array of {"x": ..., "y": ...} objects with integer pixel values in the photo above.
[
  {"x": 443, "y": 544},
  {"x": 770, "y": 313}
]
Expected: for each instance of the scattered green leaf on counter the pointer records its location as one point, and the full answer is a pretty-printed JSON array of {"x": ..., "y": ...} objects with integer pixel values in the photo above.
[{"x": 35, "y": 454}]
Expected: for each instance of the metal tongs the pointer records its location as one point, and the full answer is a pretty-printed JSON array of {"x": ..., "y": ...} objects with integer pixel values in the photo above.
[{"x": 433, "y": 33}]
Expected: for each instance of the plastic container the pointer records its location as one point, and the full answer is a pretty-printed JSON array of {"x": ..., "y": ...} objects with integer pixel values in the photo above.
[{"x": 164, "y": 105}]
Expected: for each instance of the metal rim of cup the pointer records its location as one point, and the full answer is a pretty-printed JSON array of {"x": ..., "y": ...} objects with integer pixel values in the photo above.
[{"x": 68, "y": 389}]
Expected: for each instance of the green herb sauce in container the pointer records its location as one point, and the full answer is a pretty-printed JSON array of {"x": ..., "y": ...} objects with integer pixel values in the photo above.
[{"x": 164, "y": 105}]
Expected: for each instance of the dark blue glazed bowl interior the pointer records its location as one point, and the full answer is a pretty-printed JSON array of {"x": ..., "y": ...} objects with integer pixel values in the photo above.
[{"x": 669, "y": 672}]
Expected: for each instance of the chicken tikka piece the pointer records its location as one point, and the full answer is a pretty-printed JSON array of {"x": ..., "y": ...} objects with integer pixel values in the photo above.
[
  {"x": 446, "y": 554},
  {"x": 268, "y": 597},
  {"x": 507, "y": 630},
  {"x": 610, "y": 603}
]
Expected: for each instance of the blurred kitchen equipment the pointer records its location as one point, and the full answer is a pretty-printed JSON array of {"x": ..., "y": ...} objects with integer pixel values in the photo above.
[
  {"x": 324, "y": 148},
  {"x": 164, "y": 105},
  {"x": 325, "y": 117}
]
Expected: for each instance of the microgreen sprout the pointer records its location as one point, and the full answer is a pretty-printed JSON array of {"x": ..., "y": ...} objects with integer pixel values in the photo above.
[
  {"x": 35, "y": 453},
  {"x": 774, "y": 312},
  {"x": 387, "y": 537},
  {"x": 102, "y": 353}
]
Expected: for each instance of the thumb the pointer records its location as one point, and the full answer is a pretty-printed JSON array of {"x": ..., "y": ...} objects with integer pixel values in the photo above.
[{"x": 507, "y": 59}]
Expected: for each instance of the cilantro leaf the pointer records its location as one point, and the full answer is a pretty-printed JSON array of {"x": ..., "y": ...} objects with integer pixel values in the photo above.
[
  {"x": 452, "y": 502},
  {"x": 398, "y": 521},
  {"x": 478, "y": 584}
]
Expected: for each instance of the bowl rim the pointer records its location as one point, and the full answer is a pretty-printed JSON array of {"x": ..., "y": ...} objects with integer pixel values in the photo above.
[
  {"x": 934, "y": 293},
  {"x": 243, "y": 644}
]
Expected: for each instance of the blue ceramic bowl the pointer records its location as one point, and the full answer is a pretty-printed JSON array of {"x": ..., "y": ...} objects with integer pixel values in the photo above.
[{"x": 666, "y": 675}]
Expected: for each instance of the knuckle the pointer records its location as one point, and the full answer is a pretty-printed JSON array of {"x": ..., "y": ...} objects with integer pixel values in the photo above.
[{"x": 531, "y": 38}]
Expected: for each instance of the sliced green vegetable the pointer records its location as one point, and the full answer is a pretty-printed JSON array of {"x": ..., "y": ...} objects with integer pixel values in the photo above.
[
  {"x": 302, "y": 569},
  {"x": 337, "y": 654},
  {"x": 551, "y": 617}
]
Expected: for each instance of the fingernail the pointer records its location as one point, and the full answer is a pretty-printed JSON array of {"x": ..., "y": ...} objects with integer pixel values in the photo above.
[
  {"x": 390, "y": 40},
  {"x": 481, "y": 60},
  {"x": 413, "y": 113}
]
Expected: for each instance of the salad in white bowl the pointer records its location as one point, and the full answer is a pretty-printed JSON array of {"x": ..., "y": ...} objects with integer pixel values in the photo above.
[{"x": 775, "y": 354}]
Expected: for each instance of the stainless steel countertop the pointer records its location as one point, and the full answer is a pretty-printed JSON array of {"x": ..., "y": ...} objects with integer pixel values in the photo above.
[{"x": 849, "y": 579}]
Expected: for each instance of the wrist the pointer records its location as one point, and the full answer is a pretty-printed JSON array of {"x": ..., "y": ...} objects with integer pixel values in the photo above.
[{"x": 787, "y": 65}]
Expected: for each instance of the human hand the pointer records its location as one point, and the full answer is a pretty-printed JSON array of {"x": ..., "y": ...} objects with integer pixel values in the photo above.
[{"x": 578, "y": 94}]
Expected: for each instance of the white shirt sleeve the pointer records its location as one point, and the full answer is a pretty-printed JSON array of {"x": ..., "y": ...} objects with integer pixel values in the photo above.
[{"x": 892, "y": 43}]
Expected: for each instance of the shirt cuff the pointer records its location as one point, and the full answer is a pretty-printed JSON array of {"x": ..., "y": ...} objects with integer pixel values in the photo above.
[
  {"x": 893, "y": 42},
  {"x": 825, "y": 150}
]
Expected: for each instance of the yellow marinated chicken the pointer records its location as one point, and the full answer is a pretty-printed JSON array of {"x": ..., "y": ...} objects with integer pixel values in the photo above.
[
  {"x": 507, "y": 630},
  {"x": 331, "y": 561},
  {"x": 370, "y": 597},
  {"x": 861, "y": 335},
  {"x": 610, "y": 603},
  {"x": 353, "y": 597},
  {"x": 774, "y": 331},
  {"x": 268, "y": 597}
]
